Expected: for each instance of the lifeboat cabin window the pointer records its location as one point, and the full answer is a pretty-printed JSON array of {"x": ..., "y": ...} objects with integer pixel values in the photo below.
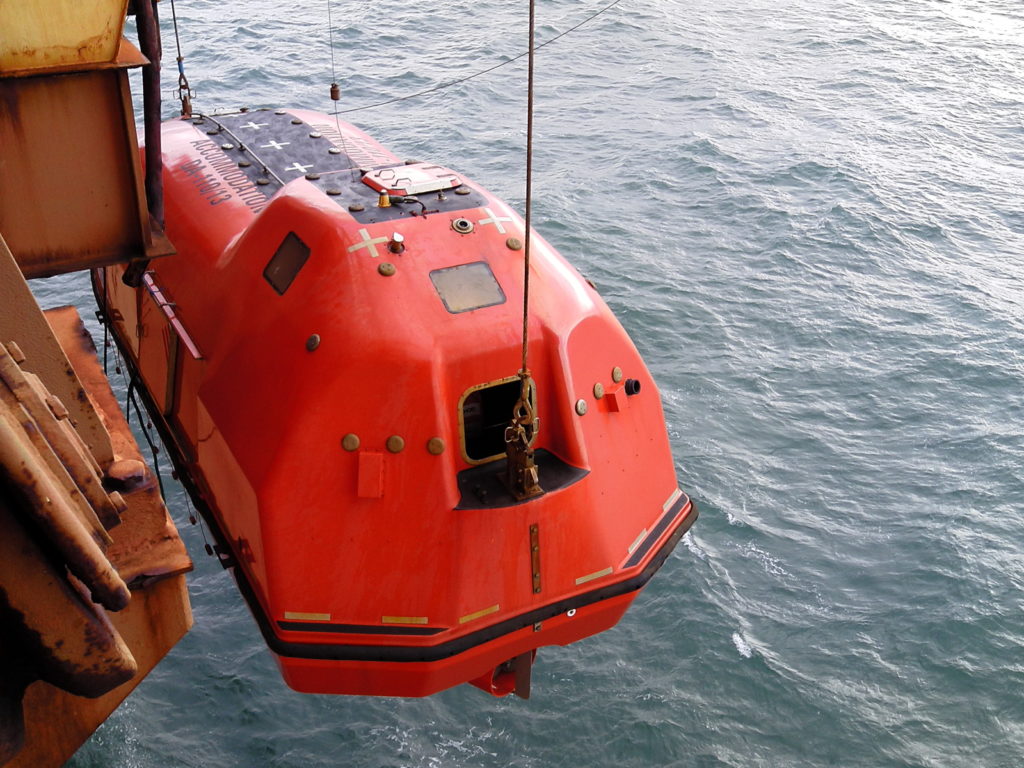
[
  {"x": 285, "y": 264},
  {"x": 467, "y": 287},
  {"x": 486, "y": 411}
]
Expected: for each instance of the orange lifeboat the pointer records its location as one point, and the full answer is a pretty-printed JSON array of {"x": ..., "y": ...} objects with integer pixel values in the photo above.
[{"x": 331, "y": 357}]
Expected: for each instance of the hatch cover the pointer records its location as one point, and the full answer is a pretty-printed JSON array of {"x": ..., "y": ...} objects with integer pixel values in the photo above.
[{"x": 412, "y": 179}]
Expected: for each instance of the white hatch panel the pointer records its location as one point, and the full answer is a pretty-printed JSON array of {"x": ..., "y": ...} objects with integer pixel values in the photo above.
[{"x": 413, "y": 179}]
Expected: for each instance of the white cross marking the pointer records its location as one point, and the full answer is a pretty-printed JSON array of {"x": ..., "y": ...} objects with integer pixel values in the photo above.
[
  {"x": 296, "y": 166},
  {"x": 275, "y": 145},
  {"x": 495, "y": 220},
  {"x": 367, "y": 243},
  {"x": 255, "y": 126}
]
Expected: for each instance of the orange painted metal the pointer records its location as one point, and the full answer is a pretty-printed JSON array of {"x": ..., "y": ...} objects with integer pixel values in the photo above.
[{"x": 416, "y": 584}]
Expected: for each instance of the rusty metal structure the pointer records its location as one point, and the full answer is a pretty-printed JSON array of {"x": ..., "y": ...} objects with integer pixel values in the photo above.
[{"x": 92, "y": 586}]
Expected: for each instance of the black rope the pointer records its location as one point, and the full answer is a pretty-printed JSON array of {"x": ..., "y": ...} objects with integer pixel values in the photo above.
[
  {"x": 449, "y": 84},
  {"x": 106, "y": 323},
  {"x": 153, "y": 449}
]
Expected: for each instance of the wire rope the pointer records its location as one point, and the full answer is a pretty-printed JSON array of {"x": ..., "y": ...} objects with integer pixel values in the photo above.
[{"x": 488, "y": 70}]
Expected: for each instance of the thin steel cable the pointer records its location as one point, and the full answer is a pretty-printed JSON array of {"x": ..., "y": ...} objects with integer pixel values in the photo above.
[
  {"x": 529, "y": 194},
  {"x": 177, "y": 41},
  {"x": 330, "y": 32},
  {"x": 184, "y": 89},
  {"x": 514, "y": 59},
  {"x": 334, "y": 83}
]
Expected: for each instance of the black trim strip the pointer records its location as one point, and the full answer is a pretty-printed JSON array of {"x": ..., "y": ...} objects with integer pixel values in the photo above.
[
  {"x": 481, "y": 636},
  {"x": 656, "y": 532},
  {"x": 358, "y": 629}
]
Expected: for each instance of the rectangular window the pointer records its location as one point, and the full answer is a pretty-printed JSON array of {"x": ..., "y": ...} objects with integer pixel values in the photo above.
[
  {"x": 285, "y": 264},
  {"x": 467, "y": 287}
]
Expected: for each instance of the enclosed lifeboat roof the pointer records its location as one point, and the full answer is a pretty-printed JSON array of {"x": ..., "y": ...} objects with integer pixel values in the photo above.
[{"x": 351, "y": 328}]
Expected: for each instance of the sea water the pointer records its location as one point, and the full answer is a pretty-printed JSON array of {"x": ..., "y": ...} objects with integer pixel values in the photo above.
[{"x": 810, "y": 218}]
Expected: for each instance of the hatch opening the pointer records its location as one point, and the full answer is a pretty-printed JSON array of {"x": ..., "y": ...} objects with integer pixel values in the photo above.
[{"x": 485, "y": 412}]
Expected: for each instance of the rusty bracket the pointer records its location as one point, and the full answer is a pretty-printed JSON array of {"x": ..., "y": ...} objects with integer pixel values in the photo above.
[{"x": 535, "y": 556}]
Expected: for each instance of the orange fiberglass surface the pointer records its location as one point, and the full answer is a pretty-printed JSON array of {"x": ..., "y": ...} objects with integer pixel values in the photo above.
[{"x": 332, "y": 357}]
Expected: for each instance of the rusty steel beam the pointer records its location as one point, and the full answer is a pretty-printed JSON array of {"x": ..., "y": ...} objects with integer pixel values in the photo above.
[
  {"x": 72, "y": 192},
  {"x": 59, "y": 33},
  {"x": 58, "y": 560},
  {"x": 21, "y": 319}
]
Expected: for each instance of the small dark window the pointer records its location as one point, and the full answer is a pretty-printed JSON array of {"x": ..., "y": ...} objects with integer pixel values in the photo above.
[
  {"x": 289, "y": 258},
  {"x": 485, "y": 414}
]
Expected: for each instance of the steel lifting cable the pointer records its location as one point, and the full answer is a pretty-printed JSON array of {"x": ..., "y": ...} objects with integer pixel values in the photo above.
[
  {"x": 184, "y": 91},
  {"x": 525, "y": 371},
  {"x": 488, "y": 70},
  {"x": 335, "y": 91},
  {"x": 522, "y": 473}
]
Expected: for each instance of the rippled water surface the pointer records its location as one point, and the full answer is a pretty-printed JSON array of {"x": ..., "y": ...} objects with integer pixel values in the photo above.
[{"x": 810, "y": 218}]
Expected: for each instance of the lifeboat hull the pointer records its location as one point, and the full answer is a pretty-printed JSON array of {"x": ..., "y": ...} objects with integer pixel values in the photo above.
[{"x": 332, "y": 358}]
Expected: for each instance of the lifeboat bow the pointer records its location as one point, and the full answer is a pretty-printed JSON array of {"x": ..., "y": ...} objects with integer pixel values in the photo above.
[{"x": 332, "y": 359}]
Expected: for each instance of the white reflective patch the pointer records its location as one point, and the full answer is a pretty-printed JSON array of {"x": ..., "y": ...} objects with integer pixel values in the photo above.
[
  {"x": 636, "y": 542},
  {"x": 671, "y": 500}
]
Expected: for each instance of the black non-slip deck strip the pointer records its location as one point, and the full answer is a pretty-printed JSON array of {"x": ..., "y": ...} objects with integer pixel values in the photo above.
[{"x": 656, "y": 532}]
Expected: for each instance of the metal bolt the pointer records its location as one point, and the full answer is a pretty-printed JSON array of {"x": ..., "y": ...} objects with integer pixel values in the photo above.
[
  {"x": 120, "y": 505},
  {"x": 56, "y": 407},
  {"x": 599, "y": 390},
  {"x": 581, "y": 406},
  {"x": 279, "y": 112},
  {"x": 263, "y": 182},
  {"x": 333, "y": 191},
  {"x": 350, "y": 442},
  {"x": 334, "y": 151},
  {"x": 315, "y": 134},
  {"x": 435, "y": 446},
  {"x": 15, "y": 351},
  {"x": 213, "y": 132},
  {"x": 395, "y": 444},
  {"x": 514, "y": 244},
  {"x": 312, "y": 176},
  {"x": 313, "y": 341},
  {"x": 387, "y": 269},
  {"x": 462, "y": 190},
  {"x": 296, "y": 121},
  {"x": 356, "y": 207},
  {"x": 244, "y": 163},
  {"x": 616, "y": 374},
  {"x": 127, "y": 472}
]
